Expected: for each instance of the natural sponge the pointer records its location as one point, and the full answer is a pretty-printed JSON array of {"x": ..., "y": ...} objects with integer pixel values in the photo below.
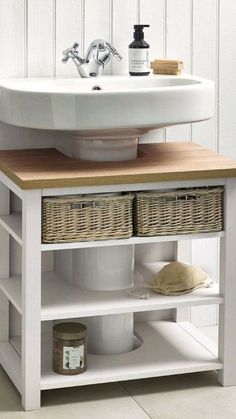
[{"x": 178, "y": 278}]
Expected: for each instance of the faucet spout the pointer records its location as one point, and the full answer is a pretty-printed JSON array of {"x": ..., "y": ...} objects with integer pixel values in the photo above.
[{"x": 97, "y": 56}]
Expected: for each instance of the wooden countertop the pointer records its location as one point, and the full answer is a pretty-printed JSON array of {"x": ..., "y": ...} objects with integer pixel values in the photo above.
[{"x": 49, "y": 168}]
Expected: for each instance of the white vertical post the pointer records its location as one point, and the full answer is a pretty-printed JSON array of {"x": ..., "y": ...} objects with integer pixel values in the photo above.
[
  {"x": 4, "y": 264},
  {"x": 227, "y": 312},
  {"x": 31, "y": 299},
  {"x": 183, "y": 254}
]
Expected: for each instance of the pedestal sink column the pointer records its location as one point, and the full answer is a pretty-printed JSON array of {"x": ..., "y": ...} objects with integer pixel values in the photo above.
[{"x": 104, "y": 269}]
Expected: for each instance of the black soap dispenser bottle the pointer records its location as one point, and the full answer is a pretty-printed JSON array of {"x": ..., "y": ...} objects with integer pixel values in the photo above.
[{"x": 139, "y": 53}]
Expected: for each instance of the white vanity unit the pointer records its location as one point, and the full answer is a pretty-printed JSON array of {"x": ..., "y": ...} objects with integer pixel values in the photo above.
[
  {"x": 100, "y": 121},
  {"x": 160, "y": 347}
]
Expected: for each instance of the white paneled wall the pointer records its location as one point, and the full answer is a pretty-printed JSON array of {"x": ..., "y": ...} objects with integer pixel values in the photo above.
[
  {"x": 227, "y": 79},
  {"x": 69, "y": 26},
  {"x": 205, "y": 55},
  {"x": 33, "y": 34},
  {"x": 179, "y": 45}
]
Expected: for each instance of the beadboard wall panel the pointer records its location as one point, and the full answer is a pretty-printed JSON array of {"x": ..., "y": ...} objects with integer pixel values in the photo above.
[
  {"x": 98, "y": 23},
  {"x": 12, "y": 39},
  {"x": 198, "y": 31},
  {"x": 205, "y": 63},
  {"x": 153, "y": 12},
  {"x": 41, "y": 37},
  {"x": 12, "y": 137},
  {"x": 178, "y": 45},
  {"x": 12, "y": 60},
  {"x": 40, "y": 56},
  {"x": 122, "y": 31},
  {"x": 40, "y": 139},
  {"x": 69, "y": 28},
  {"x": 227, "y": 82}
]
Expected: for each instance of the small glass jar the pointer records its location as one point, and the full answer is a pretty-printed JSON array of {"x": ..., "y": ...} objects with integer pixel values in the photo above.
[{"x": 69, "y": 348}]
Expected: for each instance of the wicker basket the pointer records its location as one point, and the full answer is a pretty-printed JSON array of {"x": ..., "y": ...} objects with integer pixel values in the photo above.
[
  {"x": 76, "y": 218},
  {"x": 181, "y": 211}
]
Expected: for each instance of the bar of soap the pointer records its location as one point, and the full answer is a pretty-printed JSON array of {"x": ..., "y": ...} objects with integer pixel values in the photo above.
[
  {"x": 178, "y": 278},
  {"x": 173, "y": 67}
]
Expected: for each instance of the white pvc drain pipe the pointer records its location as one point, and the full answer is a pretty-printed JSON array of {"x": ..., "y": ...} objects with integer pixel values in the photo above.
[
  {"x": 105, "y": 149},
  {"x": 106, "y": 268}
]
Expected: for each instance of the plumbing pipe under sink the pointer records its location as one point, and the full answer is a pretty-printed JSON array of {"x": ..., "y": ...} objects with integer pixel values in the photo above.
[
  {"x": 105, "y": 149},
  {"x": 106, "y": 268}
]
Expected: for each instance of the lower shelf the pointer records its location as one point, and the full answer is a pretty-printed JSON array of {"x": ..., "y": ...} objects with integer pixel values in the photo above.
[
  {"x": 60, "y": 300},
  {"x": 168, "y": 348}
]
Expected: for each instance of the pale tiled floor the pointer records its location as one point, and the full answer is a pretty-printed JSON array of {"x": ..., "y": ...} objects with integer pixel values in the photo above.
[{"x": 190, "y": 396}]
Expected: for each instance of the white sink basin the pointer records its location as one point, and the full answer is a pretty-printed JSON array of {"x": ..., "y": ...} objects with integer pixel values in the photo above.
[{"x": 130, "y": 105}]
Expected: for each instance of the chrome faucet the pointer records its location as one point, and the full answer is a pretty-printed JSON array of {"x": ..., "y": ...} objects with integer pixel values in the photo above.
[{"x": 97, "y": 56}]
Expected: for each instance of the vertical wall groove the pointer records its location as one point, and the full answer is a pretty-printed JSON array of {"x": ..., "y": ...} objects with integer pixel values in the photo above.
[
  {"x": 191, "y": 58},
  {"x": 27, "y": 132},
  {"x": 82, "y": 30},
  {"x": 54, "y": 23},
  {"x": 54, "y": 37},
  {"x": 191, "y": 37},
  {"x": 218, "y": 77},
  {"x": 165, "y": 28},
  {"x": 26, "y": 38},
  {"x": 139, "y": 12},
  {"x": 111, "y": 28}
]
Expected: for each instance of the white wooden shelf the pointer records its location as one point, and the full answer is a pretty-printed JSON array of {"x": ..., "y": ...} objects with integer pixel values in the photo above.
[
  {"x": 168, "y": 348},
  {"x": 132, "y": 240},
  {"x": 61, "y": 300},
  {"x": 13, "y": 225}
]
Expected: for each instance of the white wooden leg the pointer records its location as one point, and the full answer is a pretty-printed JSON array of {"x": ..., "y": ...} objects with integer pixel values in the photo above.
[
  {"x": 183, "y": 254},
  {"x": 31, "y": 299},
  {"x": 227, "y": 313},
  {"x": 4, "y": 264}
]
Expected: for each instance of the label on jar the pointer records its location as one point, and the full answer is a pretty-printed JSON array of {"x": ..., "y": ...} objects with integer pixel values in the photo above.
[
  {"x": 139, "y": 60},
  {"x": 73, "y": 358}
]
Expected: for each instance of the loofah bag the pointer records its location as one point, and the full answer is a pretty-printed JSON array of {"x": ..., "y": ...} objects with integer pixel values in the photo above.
[
  {"x": 178, "y": 278},
  {"x": 175, "y": 278}
]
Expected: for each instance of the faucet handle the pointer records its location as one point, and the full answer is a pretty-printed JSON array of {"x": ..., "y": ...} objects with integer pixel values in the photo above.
[
  {"x": 71, "y": 52},
  {"x": 74, "y": 48},
  {"x": 117, "y": 56},
  {"x": 113, "y": 52}
]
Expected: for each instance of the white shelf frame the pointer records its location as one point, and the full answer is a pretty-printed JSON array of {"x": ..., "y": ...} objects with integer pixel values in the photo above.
[
  {"x": 12, "y": 223},
  {"x": 31, "y": 383},
  {"x": 61, "y": 300},
  {"x": 132, "y": 240},
  {"x": 168, "y": 348}
]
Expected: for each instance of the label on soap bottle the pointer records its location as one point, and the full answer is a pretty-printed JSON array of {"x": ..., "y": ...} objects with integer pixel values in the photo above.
[{"x": 139, "y": 60}]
